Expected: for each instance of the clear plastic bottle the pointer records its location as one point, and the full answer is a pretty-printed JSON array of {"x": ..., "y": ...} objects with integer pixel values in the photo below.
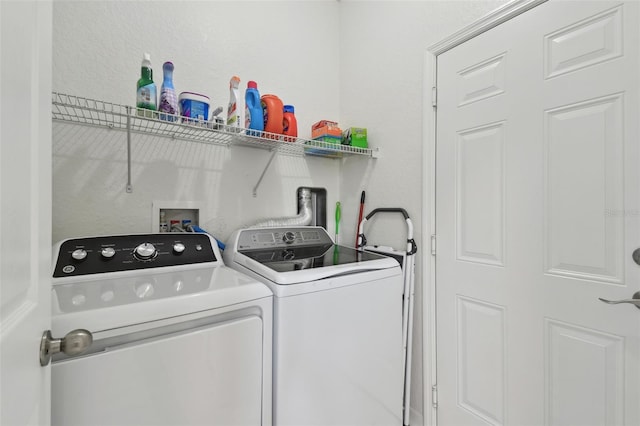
[
  {"x": 253, "y": 116},
  {"x": 147, "y": 93},
  {"x": 168, "y": 98}
]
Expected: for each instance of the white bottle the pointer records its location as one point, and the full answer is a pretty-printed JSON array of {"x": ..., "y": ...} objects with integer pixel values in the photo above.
[
  {"x": 233, "y": 110},
  {"x": 163, "y": 223}
]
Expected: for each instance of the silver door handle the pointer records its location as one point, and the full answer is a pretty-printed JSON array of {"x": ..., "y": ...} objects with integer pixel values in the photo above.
[
  {"x": 74, "y": 343},
  {"x": 634, "y": 301}
]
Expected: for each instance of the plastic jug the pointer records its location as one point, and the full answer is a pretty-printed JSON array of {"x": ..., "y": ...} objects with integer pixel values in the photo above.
[
  {"x": 273, "y": 110},
  {"x": 253, "y": 114},
  {"x": 289, "y": 123}
]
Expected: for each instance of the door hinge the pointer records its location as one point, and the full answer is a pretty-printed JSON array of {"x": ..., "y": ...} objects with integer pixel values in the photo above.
[
  {"x": 434, "y": 97},
  {"x": 434, "y": 396},
  {"x": 433, "y": 245}
]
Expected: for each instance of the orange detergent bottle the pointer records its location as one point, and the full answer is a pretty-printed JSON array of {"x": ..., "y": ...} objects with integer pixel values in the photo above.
[
  {"x": 289, "y": 124},
  {"x": 273, "y": 110}
]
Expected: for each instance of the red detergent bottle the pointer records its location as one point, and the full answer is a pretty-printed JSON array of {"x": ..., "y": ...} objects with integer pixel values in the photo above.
[{"x": 289, "y": 124}]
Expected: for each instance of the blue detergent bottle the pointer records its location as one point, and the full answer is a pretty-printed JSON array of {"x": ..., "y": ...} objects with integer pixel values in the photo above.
[{"x": 253, "y": 116}]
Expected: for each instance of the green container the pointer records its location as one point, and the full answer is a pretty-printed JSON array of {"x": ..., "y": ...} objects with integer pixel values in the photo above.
[
  {"x": 146, "y": 96},
  {"x": 356, "y": 137},
  {"x": 325, "y": 139}
]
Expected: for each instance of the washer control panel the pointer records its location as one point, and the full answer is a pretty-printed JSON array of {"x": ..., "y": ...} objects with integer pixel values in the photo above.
[
  {"x": 95, "y": 255},
  {"x": 263, "y": 238}
]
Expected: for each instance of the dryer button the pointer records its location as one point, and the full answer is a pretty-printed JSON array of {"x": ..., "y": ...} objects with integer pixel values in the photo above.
[
  {"x": 79, "y": 254},
  {"x": 108, "y": 252}
]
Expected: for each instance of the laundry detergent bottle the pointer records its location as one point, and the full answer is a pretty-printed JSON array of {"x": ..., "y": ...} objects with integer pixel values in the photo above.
[
  {"x": 147, "y": 96},
  {"x": 253, "y": 114},
  {"x": 168, "y": 98},
  {"x": 289, "y": 124},
  {"x": 273, "y": 109}
]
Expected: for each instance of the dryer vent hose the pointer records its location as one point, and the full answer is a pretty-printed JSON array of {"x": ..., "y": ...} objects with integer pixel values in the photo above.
[{"x": 303, "y": 218}]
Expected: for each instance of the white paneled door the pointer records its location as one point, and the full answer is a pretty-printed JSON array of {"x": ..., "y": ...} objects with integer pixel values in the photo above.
[
  {"x": 537, "y": 217},
  {"x": 25, "y": 209}
]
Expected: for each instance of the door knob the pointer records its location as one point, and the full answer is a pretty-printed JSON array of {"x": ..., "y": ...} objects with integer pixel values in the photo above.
[
  {"x": 634, "y": 301},
  {"x": 74, "y": 343}
]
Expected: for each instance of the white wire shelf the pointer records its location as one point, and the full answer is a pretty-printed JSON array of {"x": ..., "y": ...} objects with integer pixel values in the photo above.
[{"x": 91, "y": 112}]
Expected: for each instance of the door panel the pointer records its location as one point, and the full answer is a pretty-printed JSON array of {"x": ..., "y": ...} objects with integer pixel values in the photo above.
[
  {"x": 537, "y": 214},
  {"x": 25, "y": 209},
  {"x": 581, "y": 241}
]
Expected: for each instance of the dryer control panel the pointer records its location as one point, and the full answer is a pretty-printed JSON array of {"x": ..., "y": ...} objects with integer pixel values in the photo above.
[{"x": 95, "y": 255}]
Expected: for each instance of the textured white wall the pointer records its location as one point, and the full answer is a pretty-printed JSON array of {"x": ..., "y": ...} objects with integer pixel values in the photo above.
[
  {"x": 358, "y": 62},
  {"x": 290, "y": 48},
  {"x": 382, "y": 52}
]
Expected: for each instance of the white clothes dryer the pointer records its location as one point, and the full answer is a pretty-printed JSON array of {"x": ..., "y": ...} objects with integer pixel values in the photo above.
[
  {"x": 178, "y": 338},
  {"x": 337, "y": 326}
]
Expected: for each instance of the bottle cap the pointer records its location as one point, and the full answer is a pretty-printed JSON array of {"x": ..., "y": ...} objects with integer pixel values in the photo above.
[
  {"x": 289, "y": 108},
  {"x": 146, "y": 60},
  {"x": 252, "y": 85}
]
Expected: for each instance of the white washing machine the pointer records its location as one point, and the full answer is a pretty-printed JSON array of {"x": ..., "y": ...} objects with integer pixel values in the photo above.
[
  {"x": 337, "y": 326},
  {"x": 178, "y": 338}
]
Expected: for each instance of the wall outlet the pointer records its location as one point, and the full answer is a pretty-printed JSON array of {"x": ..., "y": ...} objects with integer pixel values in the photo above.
[{"x": 173, "y": 216}]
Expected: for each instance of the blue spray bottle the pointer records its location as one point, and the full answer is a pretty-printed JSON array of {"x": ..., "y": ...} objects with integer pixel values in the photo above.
[{"x": 168, "y": 98}]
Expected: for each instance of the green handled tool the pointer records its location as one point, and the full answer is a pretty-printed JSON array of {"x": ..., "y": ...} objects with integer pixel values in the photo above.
[{"x": 338, "y": 214}]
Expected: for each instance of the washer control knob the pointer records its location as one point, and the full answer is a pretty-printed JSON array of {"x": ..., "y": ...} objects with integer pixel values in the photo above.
[
  {"x": 178, "y": 248},
  {"x": 289, "y": 237},
  {"x": 108, "y": 252},
  {"x": 145, "y": 251},
  {"x": 79, "y": 254},
  {"x": 288, "y": 254}
]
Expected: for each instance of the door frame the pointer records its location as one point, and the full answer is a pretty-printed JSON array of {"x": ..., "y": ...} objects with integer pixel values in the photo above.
[{"x": 429, "y": 129}]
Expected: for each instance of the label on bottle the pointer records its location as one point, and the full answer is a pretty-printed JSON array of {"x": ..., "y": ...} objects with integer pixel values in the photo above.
[
  {"x": 232, "y": 117},
  {"x": 265, "y": 113},
  {"x": 147, "y": 97},
  {"x": 168, "y": 102}
]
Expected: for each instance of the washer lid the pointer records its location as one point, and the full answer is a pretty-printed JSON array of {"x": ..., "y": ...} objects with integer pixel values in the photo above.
[
  {"x": 298, "y": 254},
  {"x": 113, "y": 302},
  {"x": 304, "y": 264}
]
